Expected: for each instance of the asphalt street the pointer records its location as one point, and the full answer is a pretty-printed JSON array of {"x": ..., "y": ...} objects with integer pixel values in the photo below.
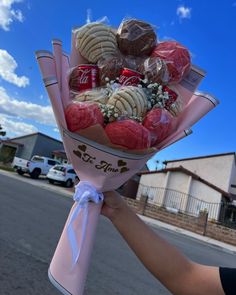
[{"x": 31, "y": 220}]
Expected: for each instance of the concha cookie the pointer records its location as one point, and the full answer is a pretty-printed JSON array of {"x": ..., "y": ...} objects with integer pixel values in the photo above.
[
  {"x": 130, "y": 101},
  {"x": 95, "y": 95},
  {"x": 95, "y": 41}
]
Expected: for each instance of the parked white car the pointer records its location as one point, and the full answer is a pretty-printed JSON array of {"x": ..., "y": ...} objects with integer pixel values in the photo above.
[
  {"x": 63, "y": 174},
  {"x": 38, "y": 165}
]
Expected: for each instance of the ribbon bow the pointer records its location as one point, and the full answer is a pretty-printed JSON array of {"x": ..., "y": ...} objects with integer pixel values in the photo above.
[{"x": 84, "y": 193}]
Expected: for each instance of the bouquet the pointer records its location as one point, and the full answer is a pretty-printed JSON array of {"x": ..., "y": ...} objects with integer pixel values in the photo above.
[{"x": 120, "y": 97}]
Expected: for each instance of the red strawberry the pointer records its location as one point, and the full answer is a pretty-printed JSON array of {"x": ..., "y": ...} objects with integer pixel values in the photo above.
[
  {"x": 158, "y": 122},
  {"x": 177, "y": 59},
  {"x": 82, "y": 115},
  {"x": 128, "y": 133}
]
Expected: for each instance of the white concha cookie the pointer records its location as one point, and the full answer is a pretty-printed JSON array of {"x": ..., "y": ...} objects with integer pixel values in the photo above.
[
  {"x": 130, "y": 101},
  {"x": 99, "y": 96},
  {"x": 96, "y": 40}
]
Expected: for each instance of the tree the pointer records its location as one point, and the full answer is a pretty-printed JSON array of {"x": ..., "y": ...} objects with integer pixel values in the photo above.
[{"x": 2, "y": 133}]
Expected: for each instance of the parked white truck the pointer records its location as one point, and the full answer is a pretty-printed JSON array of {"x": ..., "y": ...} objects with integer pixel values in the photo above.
[{"x": 37, "y": 166}]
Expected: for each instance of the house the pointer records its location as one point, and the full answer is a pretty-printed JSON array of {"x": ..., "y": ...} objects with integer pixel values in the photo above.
[
  {"x": 192, "y": 185},
  {"x": 27, "y": 146},
  {"x": 60, "y": 155},
  {"x": 218, "y": 169}
]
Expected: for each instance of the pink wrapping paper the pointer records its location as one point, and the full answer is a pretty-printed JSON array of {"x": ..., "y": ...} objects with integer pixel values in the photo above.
[
  {"x": 103, "y": 167},
  {"x": 67, "y": 279},
  {"x": 57, "y": 52}
]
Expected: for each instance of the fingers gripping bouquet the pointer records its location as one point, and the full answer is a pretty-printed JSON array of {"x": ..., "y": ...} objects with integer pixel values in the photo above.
[{"x": 119, "y": 98}]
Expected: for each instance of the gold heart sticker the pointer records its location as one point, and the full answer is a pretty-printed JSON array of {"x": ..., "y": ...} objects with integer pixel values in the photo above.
[
  {"x": 82, "y": 147},
  {"x": 121, "y": 163}
]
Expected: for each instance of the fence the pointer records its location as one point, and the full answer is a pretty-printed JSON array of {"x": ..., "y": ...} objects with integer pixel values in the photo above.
[{"x": 178, "y": 202}]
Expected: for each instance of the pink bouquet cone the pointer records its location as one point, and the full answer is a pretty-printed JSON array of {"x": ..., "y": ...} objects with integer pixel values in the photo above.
[{"x": 101, "y": 164}]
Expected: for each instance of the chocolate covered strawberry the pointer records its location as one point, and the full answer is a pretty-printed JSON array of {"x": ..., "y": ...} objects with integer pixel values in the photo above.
[
  {"x": 128, "y": 133},
  {"x": 83, "y": 115},
  {"x": 158, "y": 122}
]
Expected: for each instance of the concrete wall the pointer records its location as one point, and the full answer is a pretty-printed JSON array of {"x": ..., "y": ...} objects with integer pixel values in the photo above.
[
  {"x": 26, "y": 151},
  {"x": 148, "y": 186},
  {"x": 232, "y": 189},
  {"x": 179, "y": 192},
  {"x": 195, "y": 224},
  {"x": 206, "y": 197},
  {"x": 37, "y": 144},
  {"x": 216, "y": 170}
]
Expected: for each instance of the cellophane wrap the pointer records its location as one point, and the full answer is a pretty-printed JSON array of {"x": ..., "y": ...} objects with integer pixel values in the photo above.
[{"x": 100, "y": 157}]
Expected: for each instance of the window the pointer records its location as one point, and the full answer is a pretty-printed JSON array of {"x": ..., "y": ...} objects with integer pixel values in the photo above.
[
  {"x": 51, "y": 162},
  {"x": 59, "y": 168},
  {"x": 71, "y": 171},
  {"x": 37, "y": 159}
]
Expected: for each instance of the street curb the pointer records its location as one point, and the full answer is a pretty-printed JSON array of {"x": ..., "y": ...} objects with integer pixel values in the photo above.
[{"x": 159, "y": 224}]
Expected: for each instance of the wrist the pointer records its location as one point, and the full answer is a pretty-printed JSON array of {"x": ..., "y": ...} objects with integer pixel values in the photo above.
[{"x": 120, "y": 213}]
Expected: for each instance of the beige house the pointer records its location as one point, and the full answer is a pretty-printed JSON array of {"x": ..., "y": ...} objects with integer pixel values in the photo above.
[
  {"x": 218, "y": 169},
  {"x": 192, "y": 185}
]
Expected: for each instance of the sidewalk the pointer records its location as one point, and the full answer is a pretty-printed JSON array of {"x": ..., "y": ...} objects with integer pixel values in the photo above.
[
  {"x": 158, "y": 224},
  {"x": 42, "y": 183}
]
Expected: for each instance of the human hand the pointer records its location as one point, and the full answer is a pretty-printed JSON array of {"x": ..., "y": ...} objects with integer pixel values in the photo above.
[{"x": 113, "y": 205}]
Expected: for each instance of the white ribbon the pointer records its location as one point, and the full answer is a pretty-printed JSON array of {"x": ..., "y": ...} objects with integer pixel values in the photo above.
[{"x": 84, "y": 193}]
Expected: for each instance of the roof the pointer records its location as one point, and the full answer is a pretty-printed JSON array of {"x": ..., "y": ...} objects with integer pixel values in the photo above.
[
  {"x": 61, "y": 153},
  {"x": 36, "y": 133},
  {"x": 195, "y": 176},
  {"x": 200, "y": 157},
  {"x": 11, "y": 142}
]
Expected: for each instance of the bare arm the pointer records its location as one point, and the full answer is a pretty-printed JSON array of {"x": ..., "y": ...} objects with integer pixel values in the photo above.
[{"x": 179, "y": 275}]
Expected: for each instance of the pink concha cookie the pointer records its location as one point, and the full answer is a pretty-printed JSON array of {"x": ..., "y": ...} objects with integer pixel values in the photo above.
[
  {"x": 177, "y": 59},
  {"x": 128, "y": 133},
  {"x": 83, "y": 115},
  {"x": 158, "y": 122}
]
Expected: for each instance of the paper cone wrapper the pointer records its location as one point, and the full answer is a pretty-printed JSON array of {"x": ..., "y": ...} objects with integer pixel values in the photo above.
[
  {"x": 189, "y": 84},
  {"x": 57, "y": 52},
  {"x": 176, "y": 137},
  {"x": 46, "y": 63},
  {"x": 67, "y": 278},
  {"x": 199, "y": 105},
  {"x": 52, "y": 87},
  {"x": 105, "y": 168},
  {"x": 64, "y": 80}
]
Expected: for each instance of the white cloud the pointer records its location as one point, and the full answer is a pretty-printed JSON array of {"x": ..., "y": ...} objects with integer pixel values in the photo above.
[
  {"x": 15, "y": 128},
  {"x": 8, "y": 15},
  {"x": 183, "y": 12},
  {"x": 26, "y": 110},
  {"x": 8, "y": 66},
  {"x": 89, "y": 16}
]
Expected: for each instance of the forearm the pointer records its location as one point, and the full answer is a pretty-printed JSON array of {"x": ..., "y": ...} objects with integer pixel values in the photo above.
[{"x": 164, "y": 261}]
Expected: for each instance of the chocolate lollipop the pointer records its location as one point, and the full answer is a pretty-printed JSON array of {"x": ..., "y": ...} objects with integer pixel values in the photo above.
[
  {"x": 136, "y": 37},
  {"x": 155, "y": 70},
  {"x": 110, "y": 68}
]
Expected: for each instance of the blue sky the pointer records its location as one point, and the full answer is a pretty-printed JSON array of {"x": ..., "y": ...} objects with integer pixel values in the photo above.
[{"x": 207, "y": 28}]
